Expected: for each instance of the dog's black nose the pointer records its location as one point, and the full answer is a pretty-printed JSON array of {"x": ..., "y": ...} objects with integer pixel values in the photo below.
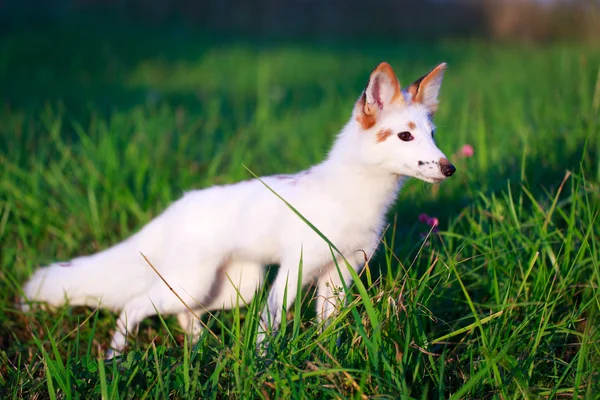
[{"x": 447, "y": 168}]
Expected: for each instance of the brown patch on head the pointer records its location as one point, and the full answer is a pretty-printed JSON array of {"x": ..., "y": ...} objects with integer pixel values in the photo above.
[
  {"x": 382, "y": 135},
  {"x": 412, "y": 125},
  {"x": 366, "y": 115}
]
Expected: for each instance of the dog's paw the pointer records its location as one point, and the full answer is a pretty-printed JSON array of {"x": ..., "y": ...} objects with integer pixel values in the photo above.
[{"x": 110, "y": 354}]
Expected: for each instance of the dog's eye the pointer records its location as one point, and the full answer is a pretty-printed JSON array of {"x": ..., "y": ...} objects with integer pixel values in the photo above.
[
  {"x": 433, "y": 133},
  {"x": 405, "y": 136}
]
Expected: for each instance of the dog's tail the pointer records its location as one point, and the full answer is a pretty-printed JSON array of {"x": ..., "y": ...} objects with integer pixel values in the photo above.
[{"x": 108, "y": 278}]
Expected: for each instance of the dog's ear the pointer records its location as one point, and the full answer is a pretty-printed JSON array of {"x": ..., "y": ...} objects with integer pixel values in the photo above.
[
  {"x": 383, "y": 87},
  {"x": 382, "y": 90},
  {"x": 426, "y": 89}
]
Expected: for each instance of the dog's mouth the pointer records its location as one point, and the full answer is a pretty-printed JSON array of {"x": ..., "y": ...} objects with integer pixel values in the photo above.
[{"x": 429, "y": 179}]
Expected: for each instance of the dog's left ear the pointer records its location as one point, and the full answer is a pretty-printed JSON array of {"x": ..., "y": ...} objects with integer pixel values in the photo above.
[{"x": 426, "y": 89}]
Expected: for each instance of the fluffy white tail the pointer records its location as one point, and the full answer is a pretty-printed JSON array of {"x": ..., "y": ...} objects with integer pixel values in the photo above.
[{"x": 109, "y": 278}]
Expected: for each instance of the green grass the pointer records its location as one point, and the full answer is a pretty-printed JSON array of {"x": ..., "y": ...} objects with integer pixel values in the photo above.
[{"x": 100, "y": 131}]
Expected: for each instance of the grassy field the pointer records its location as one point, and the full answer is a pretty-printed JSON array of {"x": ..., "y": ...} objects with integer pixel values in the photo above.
[{"x": 101, "y": 129}]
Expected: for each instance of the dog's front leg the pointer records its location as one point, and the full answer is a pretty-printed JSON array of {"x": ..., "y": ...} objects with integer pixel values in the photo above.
[
  {"x": 331, "y": 295},
  {"x": 285, "y": 288}
]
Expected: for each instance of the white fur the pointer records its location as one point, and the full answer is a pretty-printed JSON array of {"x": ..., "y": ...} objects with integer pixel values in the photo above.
[{"x": 230, "y": 232}]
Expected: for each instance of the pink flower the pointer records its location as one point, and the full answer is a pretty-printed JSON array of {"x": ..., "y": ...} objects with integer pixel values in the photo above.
[
  {"x": 467, "y": 151},
  {"x": 423, "y": 218},
  {"x": 433, "y": 221}
]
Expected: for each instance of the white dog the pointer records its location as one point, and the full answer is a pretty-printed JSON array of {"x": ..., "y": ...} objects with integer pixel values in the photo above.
[{"x": 211, "y": 246}]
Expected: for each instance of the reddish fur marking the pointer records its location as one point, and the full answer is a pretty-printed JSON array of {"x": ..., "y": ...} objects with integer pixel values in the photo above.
[
  {"x": 383, "y": 134},
  {"x": 412, "y": 125},
  {"x": 366, "y": 121},
  {"x": 65, "y": 264},
  {"x": 366, "y": 116}
]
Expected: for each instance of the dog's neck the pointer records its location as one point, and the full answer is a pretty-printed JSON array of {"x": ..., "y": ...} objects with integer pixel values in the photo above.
[{"x": 367, "y": 185}]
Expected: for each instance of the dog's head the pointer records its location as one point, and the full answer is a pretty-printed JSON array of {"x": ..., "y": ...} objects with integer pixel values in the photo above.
[{"x": 397, "y": 132}]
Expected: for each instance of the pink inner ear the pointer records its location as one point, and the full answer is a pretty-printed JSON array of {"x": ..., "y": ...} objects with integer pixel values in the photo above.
[{"x": 377, "y": 92}]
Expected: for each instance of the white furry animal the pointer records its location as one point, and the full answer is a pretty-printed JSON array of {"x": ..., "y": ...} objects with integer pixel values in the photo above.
[{"x": 211, "y": 246}]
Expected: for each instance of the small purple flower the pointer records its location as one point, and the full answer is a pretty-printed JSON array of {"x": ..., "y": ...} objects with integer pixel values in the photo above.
[
  {"x": 433, "y": 222},
  {"x": 423, "y": 218}
]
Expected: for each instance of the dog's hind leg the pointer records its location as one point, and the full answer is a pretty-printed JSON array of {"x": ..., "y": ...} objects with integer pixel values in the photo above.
[
  {"x": 186, "y": 276},
  {"x": 159, "y": 300},
  {"x": 191, "y": 323}
]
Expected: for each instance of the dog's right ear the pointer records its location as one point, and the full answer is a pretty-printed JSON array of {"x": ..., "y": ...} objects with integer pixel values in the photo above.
[{"x": 382, "y": 90}]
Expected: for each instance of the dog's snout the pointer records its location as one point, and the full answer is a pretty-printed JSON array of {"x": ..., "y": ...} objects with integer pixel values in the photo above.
[{"x": 447, "y": 168}]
